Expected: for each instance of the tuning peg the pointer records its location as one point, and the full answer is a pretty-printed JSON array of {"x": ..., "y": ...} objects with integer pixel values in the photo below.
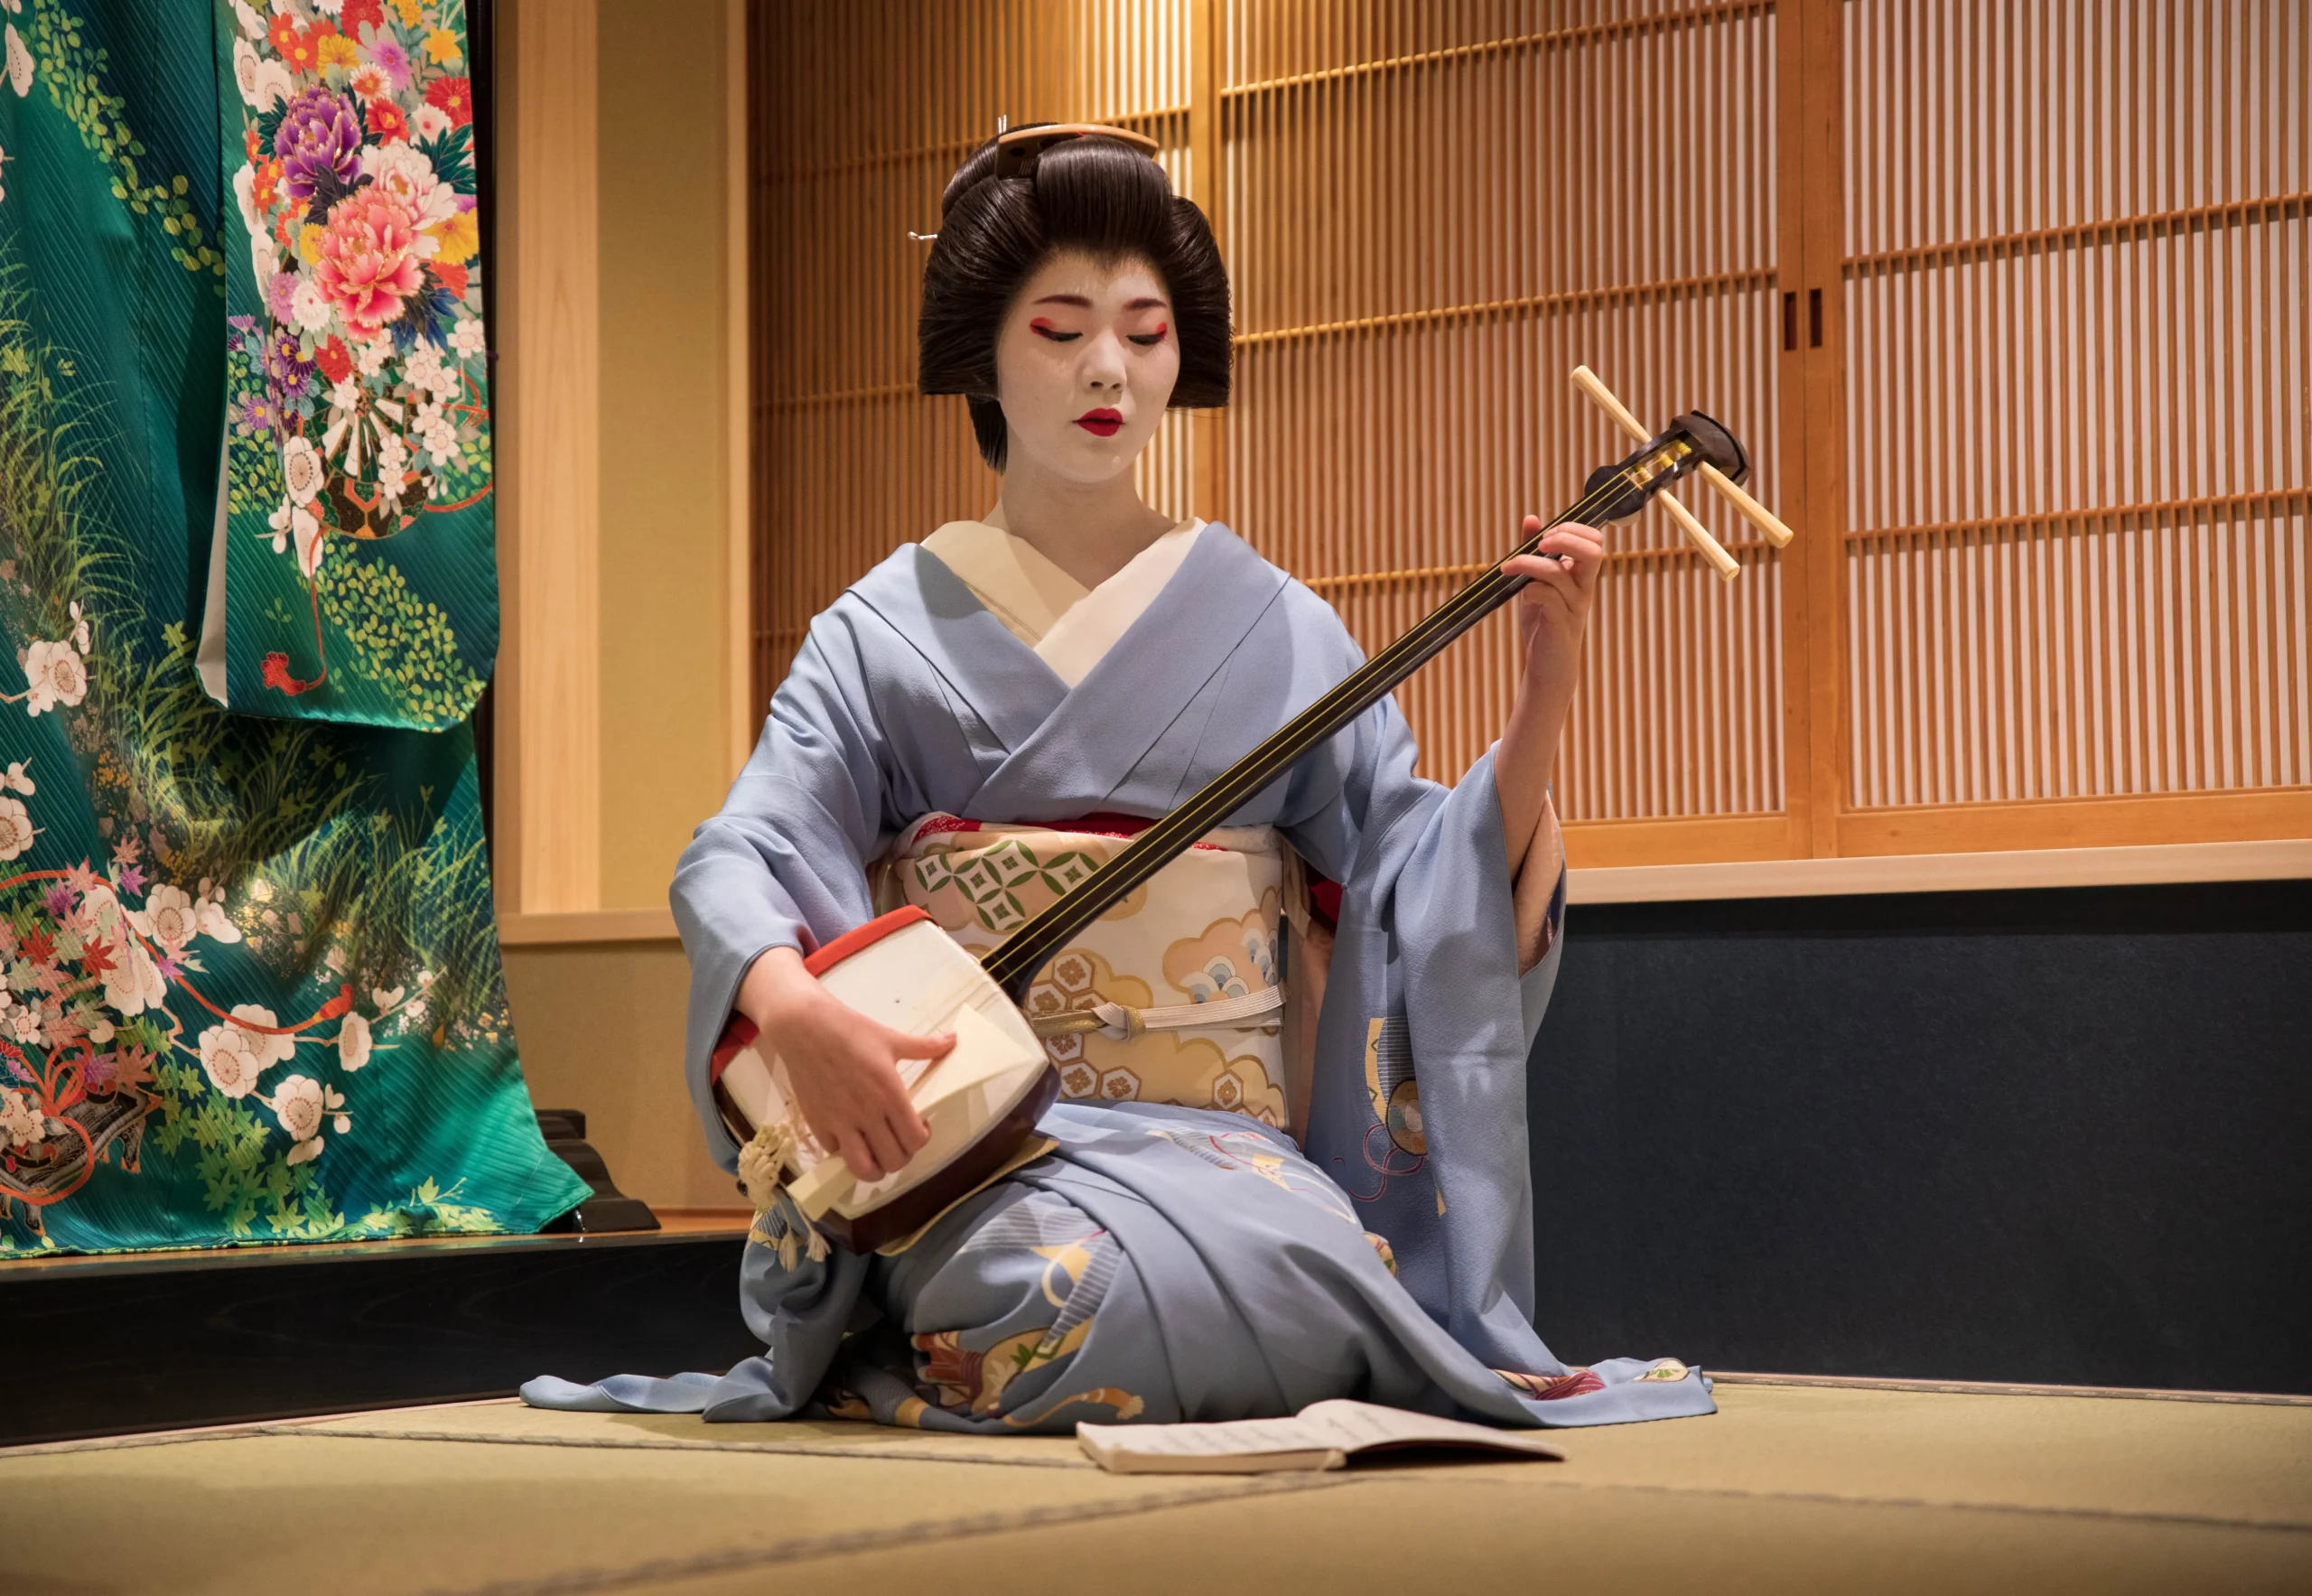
[
  {"x": 1769, "y": 525},
  {"x": 1727, "y": 567}
]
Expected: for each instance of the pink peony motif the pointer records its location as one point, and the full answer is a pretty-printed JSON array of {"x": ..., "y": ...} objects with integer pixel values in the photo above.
[{"x": 369, "y": 260}]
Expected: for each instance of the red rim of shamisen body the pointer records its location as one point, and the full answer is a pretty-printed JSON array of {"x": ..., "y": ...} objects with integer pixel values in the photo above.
[{"x": 739, "y": 1033}]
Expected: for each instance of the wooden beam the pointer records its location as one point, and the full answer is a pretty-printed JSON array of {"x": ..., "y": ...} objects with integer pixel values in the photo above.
[
  {"x": 1944, "y": 872},
  {"x": 590, "y": 926},
  {"x": 549, "y": 752}
]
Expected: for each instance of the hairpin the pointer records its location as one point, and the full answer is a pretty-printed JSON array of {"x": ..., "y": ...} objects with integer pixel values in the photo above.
[{"x": 1018, "y": 153}]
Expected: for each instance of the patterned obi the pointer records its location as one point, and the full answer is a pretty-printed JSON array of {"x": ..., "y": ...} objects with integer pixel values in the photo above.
[{"x": 1172, "y": 996}]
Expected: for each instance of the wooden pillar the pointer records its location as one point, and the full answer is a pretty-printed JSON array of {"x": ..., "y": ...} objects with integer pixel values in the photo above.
[
  {"x": 548, "y": 775},
  {"x": 1209, "y": 185},
  {"x": 1811, "y": 249},
  {"x": 743, "y": 714}
]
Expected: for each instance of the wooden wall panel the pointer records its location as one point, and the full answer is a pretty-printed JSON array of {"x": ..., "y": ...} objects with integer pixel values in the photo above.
[
  {"x": 547, "y": 804},
  {"x": 1435, "y": 213},
  {"x": 2079, "y": 439}
]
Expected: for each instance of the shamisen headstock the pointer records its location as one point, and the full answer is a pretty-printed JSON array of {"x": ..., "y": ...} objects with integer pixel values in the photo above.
[{"x": 1713, "y": 469}]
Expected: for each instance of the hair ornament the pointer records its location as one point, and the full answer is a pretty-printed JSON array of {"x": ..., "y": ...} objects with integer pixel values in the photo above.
[{"x": 1018, "y": 153}]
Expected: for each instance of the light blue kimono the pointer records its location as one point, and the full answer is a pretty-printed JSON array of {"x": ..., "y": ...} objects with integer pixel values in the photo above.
[{"x": 1161, "y": 1262}]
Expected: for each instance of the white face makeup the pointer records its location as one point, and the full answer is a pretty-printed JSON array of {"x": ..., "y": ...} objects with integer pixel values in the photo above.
[{"x": 1084, "y": 365}]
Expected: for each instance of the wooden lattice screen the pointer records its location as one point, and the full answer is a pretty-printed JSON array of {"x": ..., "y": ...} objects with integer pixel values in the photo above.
[{"x": 2006, "y": 301}]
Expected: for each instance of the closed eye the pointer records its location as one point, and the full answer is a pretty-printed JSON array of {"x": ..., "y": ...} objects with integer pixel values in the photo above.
[
  {"x": 1052, "y": 332},
  {"x": 1150, "y": 339}
]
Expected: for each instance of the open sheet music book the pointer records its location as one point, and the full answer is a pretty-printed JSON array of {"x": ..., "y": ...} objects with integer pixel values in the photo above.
[{"x": 1322, "y": 1435}]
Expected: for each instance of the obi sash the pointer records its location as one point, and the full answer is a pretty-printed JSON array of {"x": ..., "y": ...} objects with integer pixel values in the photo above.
[{"x": 1175, "y": 995}]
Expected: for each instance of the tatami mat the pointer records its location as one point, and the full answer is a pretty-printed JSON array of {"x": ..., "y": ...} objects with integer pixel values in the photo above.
[{"x": 1788, "y": 1488}]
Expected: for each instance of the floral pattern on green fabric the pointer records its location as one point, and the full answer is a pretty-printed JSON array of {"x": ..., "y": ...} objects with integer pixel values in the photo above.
[
  {"x": 360, "y": 585},
  {"x": 250, "y": 980}
]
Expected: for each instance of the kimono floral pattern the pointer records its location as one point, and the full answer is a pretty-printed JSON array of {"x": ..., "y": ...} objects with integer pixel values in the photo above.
[
  {"x": 359, "y": 451},
  {"x": 249, "y": 986}
]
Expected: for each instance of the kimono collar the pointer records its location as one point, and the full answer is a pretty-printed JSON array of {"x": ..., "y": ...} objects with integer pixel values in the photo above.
[
  {"x": 929, "y": 606},
  {"x": 1096, "y": 733}
]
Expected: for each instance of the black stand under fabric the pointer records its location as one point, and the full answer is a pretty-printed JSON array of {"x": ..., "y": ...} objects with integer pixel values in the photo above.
[{"x": 609, "y": 1210}]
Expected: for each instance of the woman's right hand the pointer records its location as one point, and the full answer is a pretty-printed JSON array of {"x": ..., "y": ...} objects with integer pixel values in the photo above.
[{"x": 843, "y": 1066}]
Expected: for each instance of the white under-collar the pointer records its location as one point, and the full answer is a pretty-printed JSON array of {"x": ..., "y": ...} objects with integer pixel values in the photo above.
[{"x": 1070, "y": 627}]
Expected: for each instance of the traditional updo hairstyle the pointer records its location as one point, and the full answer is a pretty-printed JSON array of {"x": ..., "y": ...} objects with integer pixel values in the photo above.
[{"x": 1095, "y": 194}]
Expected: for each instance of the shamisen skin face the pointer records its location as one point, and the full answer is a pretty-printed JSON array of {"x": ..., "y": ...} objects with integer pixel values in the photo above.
[{"x": 1085, "y": 364}]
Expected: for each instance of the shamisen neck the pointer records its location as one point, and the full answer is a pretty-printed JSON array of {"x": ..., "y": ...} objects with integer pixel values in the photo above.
[{"x": 1613, "y": 494}]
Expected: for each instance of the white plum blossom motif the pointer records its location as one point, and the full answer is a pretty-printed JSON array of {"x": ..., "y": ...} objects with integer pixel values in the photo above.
[
  {"x": 393, "y": 463},
  {"x": 53, "y": 675},
  {"x": 425, "y": 371},
  {"x": 265, "y": 260},
  {"x": 293, "y": 521},
  {"x": 245, "y": 74},
  {"x": 20, "y": 64},
  {"x": 233, "y": 1056},
  {"x": 252, "y": 24},
  {"x": 22, "y": 1124},
  {"x": 353, "y": 1043},
  {"x": 16, "y": 829},
  {"x": 133, "y": 983},
  {"x": 438, "y": 434},
  {"x": 310, "y": 544},
  {"x": 274, "y": 84},
  {"x": 16, "y": 780},
  {"x": 25, "y": 1024},
  {"x": 374, "y": 355},
  {"x": 300, "y": 469},
  {"x": 429, "y": 121},
  {"x": 300, "y": 1103},
  {"x": 169, "y": 917},
  {"x": 469, "y": 340}
]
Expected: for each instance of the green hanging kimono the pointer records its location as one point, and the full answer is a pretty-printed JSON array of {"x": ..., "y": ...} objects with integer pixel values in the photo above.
[
  {"x": 250, "y": 979},
  {"x": 357, "y": 579}
]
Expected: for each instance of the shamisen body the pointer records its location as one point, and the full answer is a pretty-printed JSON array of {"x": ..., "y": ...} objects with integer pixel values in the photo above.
[{"x": 1137, "y": 1255}]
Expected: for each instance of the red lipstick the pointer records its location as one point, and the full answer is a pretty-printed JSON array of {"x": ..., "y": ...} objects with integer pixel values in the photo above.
[{"x": 1100, "y": 424}]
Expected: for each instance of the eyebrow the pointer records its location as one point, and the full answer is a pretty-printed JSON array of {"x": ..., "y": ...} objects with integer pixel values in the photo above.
[{"x": 1080, "y": 301}]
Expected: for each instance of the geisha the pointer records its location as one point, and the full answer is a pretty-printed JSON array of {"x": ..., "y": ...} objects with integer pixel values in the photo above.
[{"x": 1290, "y": 1161}]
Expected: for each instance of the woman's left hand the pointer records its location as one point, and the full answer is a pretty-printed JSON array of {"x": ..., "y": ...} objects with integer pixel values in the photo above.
[{"x": 1552, "y": 612}]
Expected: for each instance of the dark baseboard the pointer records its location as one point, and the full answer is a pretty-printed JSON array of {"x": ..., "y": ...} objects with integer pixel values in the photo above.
[
  {"x": 2045, "y": 1137},
  {"x": 110, "y": 1345}
]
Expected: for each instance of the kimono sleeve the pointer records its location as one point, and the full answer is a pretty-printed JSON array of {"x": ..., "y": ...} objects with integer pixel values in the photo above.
[
  {"x": 1418, "y": 1104},
  {"x": 783, "y": 863}
]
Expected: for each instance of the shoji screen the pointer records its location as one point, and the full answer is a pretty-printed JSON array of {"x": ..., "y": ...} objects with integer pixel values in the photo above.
[
  {"x": 1434, "y": 212},
  {"x": 2078, "y": 440},
  {"x": 2007, "y": 302}
]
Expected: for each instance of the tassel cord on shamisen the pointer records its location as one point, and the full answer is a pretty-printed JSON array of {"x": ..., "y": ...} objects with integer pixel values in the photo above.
[{"x": 761, "y": 1165}]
